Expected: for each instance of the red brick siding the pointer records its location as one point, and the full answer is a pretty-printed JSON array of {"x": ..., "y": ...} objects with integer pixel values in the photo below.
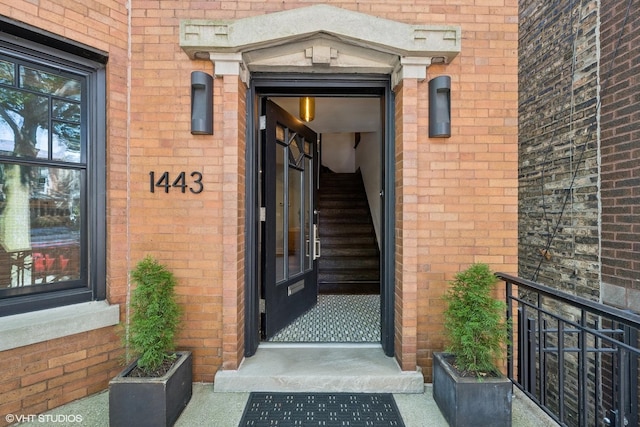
[
  {"x": 42, "y": 376},
  {"x": 39, "y": 377},
  {"x": 620, "y": 152},
  {"x": 456, "y": 200}
]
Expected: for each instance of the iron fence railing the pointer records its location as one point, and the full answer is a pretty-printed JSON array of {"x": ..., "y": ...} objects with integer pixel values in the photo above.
[{"x": 577, "y": 359}]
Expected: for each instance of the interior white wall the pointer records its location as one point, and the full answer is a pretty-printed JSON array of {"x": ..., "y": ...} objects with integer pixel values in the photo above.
[
  {"x": 368, "y": 159},
  {"x": 338, "y": 153}
]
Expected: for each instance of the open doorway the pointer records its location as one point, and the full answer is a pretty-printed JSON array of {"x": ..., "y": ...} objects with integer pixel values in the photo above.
[
  {"x": 322, "y": 259},
  {"x": 347, "y": 206}
]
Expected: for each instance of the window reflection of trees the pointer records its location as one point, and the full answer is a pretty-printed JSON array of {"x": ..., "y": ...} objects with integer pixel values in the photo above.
[{"x": 40, "y": 121}]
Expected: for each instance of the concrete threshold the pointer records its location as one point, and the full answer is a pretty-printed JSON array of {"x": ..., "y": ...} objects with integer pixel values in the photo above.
[{"x": 351, "y": 368}]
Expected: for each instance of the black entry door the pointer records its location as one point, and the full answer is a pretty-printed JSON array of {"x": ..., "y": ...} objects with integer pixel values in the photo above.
[{"x": 290, "y": 243}]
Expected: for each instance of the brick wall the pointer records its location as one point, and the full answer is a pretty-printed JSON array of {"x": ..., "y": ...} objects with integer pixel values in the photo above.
[
  {"x": 558, "y": 165},
  {"x": 466, "y": 186},
  {"x": 620, "y": 123},
  {"x": 38, "y": 377},
  {"x": 456, "y": 200}
]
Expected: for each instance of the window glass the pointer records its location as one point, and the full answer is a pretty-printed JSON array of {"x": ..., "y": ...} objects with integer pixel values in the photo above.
[
  {"x": 40, "y": 214},
  {"x": 40, "y": 233},
  {"x": 45, "y": 224},
  {"x": 7, "y": 72},
  {"x": 50, "y": 84},
  {"x": 23, "y": 126}
]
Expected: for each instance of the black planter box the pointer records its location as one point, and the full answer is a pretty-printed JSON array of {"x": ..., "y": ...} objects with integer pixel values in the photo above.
[
  {"x": 151, "y": 402},
  {"x": 468, "y": 401}
]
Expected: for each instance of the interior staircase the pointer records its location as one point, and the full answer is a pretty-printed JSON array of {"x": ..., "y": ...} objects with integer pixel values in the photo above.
[{"x": 350, "y": 261}]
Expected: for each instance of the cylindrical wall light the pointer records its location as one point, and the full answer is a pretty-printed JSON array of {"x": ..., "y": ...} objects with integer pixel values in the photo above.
[
  {"x": 201, "y": 103},
  {"x": 307, "y": 108},
  {"x": 440, "y": 107}
]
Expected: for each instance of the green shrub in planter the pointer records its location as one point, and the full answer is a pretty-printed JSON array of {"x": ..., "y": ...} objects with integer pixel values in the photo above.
[
  {"x": 467, "y": 386},
  {"x": 475, "y": 322},
  {"x": 155, "y": 316},
  {"x": 156, "y": 387}
]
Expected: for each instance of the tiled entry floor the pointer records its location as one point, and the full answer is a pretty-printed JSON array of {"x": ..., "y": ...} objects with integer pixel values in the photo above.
[
  {"x": 333, "y": 347},
  {"x": 336, "y": 318}
]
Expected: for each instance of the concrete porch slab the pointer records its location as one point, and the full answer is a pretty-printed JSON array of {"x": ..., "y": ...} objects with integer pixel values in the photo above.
[{"x": 319, "y": 368}]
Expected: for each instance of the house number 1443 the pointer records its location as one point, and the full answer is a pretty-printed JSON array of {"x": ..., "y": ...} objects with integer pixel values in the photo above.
[{"x": 193, "y": 183}]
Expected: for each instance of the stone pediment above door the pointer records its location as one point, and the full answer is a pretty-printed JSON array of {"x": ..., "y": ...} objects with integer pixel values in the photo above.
[{"x": 319, "y": 39}]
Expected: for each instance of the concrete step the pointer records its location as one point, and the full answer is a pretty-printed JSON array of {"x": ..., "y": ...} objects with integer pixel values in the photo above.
[{"x": 352, "y": 368}]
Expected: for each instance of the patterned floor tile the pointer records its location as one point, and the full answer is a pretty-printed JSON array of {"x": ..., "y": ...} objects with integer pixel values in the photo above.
[{"x": 336, "y": 318}]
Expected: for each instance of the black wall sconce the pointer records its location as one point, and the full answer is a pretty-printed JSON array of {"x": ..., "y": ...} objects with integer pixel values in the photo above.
[
  {"x": 201, "y": 103},
  {"x": 440, "y": 107}
]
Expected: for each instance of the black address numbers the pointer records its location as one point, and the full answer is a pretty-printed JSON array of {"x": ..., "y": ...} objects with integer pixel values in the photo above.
[{"x": 181, "y": 182}]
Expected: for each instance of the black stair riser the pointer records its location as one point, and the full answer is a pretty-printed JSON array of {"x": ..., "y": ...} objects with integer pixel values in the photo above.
[
  {"x": 345, "y": 220},
  {"x": 347, "y": 230},
  {"x": 332, "y": 212},
  {"x": 354, "y": 241},
  {"x": 348, "y": 263},
  {"x": 336, "y": 277},
  {"x": 337, "y": 251},
  {"x": 343, "y": 196}
]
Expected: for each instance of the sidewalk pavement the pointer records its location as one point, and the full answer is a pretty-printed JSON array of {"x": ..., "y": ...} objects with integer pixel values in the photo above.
[{"x": 216, "y": 409}]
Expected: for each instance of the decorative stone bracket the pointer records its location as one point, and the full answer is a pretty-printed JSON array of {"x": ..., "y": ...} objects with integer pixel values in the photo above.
[{"x": 319, "y": 39}]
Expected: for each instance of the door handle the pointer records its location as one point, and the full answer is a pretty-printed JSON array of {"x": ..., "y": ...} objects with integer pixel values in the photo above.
[
  {"x": 316, "y": 249},
  {"x": 316, "y": 243}
]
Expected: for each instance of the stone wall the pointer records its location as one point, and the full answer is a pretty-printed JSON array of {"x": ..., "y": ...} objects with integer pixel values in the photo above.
[
  {"x": 571, "y": 165},
  {"x": 558, "y": 146}
]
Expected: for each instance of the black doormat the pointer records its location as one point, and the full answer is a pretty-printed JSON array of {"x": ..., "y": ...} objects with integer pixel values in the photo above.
[{"x": 321, "y": 409}]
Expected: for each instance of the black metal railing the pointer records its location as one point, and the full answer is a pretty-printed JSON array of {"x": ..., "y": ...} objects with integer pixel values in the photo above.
[{"x": 577, "y": 359}]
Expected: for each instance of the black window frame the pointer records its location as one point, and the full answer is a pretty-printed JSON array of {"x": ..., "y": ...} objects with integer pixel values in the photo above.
[{"x": 40, "y": 48}]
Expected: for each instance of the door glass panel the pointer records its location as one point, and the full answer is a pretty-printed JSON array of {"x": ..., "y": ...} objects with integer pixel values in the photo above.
[
  {"x": 295, "y": 221},
  {"x": 308, "y": 219},
  {"x": 280, "y": 133},
  {"x": 280, "y": 212},
  {"x": 295, "y": 150}
]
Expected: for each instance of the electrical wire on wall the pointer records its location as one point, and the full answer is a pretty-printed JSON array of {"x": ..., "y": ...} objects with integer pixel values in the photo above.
[{"x": 544, "y": 253}]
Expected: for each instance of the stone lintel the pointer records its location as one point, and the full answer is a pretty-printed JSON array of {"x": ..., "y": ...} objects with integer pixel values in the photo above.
[{"x": 325, "y": 39}]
